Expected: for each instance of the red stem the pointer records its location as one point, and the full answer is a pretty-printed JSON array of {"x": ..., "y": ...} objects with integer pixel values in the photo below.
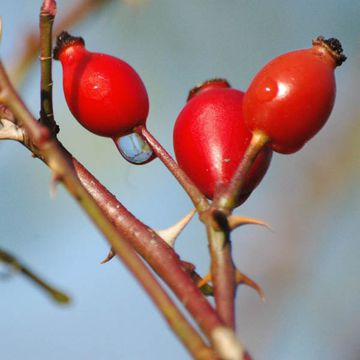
[
  {"x": 197, "y": 197},
  {"x": 226, "y": 200},
  {"x": 223, "y": 274}
]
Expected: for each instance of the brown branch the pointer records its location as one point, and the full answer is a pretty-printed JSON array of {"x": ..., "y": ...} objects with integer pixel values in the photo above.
[
  {"x": 222, "y": 274},
  {"x": 159, "y": 255}
]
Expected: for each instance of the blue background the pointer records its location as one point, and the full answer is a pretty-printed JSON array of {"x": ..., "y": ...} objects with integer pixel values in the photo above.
[{"x": 308, "y": 266}]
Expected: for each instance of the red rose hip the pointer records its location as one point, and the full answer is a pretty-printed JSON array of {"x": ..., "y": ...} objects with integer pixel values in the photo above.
[
  {"x": 291, "y": 97},
  {"x": 105, "y": 94},
  {"x": 210, "y": 139}
]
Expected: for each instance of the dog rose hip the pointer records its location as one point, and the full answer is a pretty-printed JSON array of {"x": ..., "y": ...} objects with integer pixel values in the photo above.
[
  {"x": 210, "y": 139},
  {"x": 291, "y": 97},
  {"x": 105, "y": 95}
]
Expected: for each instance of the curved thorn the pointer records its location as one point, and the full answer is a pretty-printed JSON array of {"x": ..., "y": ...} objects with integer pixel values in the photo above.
[
  {"x": 243, "y": 279},
  {"x": 204, "y": 280},
  {"x": 170, "y": 234},
  {"x": 236, "y": 220},
  {"x": 109, "y": 256}
]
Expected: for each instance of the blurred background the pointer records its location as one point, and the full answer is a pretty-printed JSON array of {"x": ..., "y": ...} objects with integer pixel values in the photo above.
[{"x": 308, "y": 266}]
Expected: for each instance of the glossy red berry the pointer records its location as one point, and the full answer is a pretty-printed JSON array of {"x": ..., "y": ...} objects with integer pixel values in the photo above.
[
  {"x": 104, "y": 93},
  {"x": 210, "y": 139},
  {"x": 291, "y": 97}
]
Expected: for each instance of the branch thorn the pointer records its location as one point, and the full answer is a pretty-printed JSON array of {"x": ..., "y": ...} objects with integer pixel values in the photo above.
[
  {"x": 236, "y": 221},
  {"x": 109, "y": 256},
  {"x": 243, "y": 279},
  {"x": 170, "y": 234}
]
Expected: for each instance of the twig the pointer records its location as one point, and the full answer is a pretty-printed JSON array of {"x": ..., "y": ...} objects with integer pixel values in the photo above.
[
  {"x": 47, "y": 15},
  {"x": 222, "y": 274},
  {"x": 12, "y": 262}
]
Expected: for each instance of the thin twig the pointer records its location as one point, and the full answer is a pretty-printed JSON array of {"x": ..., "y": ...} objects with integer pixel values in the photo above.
[
  {"x": 222, "y": 274},
  {"x": 47, "y": 16},
  {"x": 16, "y": 265}
]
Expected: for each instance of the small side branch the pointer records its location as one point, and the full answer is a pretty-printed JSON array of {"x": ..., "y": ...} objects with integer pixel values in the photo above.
[
  {"x": 197, "y": 197},
  {"x": 47, "y": 15},
  {"x": 16, "y": 265}
]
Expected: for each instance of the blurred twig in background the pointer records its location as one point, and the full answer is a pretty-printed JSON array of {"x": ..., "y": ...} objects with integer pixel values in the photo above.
[{"x": 16, "y": 266}]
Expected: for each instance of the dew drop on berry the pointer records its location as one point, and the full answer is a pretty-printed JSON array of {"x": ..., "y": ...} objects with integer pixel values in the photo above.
[{"x": 134, "y": 149}]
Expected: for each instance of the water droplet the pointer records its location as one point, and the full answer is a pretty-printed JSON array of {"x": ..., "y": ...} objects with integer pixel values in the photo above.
[{"x": 134, "y": 149}]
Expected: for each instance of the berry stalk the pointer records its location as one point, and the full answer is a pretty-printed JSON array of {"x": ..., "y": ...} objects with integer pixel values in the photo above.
[
  {"x": 222, "y": 274},
  {"x": 227, "y": 198},
  {"x": 197, "y": 197}
]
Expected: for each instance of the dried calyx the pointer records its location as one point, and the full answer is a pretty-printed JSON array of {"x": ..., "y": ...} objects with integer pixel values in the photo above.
[
  {"x": 217, "y": 82},
  {"x": 334, "y": 47},
  {"x": 64, "y": 40}
]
